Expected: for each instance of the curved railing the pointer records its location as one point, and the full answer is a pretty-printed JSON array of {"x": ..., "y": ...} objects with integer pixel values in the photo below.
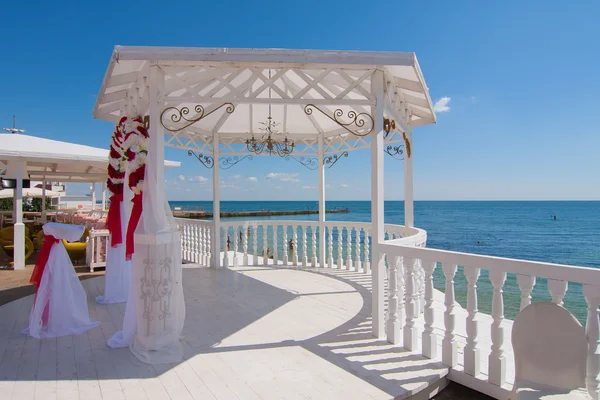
[{"x": 290, "y": 243}]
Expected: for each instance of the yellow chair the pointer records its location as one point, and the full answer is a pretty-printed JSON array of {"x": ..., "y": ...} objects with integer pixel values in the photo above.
[
  {"x": 29, "y": 248},
  {"x": 77, "y": 250},
  {"x": 7, "y": 236}
]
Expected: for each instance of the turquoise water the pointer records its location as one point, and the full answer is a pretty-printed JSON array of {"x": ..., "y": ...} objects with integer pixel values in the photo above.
[{"x": 514, "y": 229}]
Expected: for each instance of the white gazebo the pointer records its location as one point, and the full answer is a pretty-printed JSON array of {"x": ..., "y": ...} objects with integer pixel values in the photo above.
[
  {"x": 40, "y": 159},
  {"x": 225, "y": 105}
]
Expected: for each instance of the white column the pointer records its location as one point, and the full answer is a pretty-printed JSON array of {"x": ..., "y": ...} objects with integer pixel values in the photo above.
[
  {"x": 156, "y": 154},
  {"x": 216, "y": 240},
  {"x": 320, "y": 155},
  {"x": 103, "y": 196},
  {"x": 93, "y": 196},
  {"x": 409, "y": 218},
  {"x": 19, "y": 227},
  {"x": 377, "y": 222},
  {"x": 44, "y": 199}
]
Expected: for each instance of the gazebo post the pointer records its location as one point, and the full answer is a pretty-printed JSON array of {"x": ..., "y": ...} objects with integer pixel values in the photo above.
[
  {"x": 216, "y": 234},
  {"x": 409, "y": 217},
  {"x": 44, "y": 199},
  {"x": 320, "y": 155},
  {"x": 377, "y": 207}
]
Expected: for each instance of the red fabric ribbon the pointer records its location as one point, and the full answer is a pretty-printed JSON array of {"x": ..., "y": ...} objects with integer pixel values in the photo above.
[
  {"x": 134, "y": 219},
  {"x": 38, "y": 271},
  {"x": 113, "y": 219}
]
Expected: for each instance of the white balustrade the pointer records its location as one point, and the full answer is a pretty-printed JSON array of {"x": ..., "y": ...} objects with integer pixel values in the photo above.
[
  {"x": 358, "y": 262},
  {"x": 410, "y": 328},
  {"x": 349, "y": 261},
  {"x": 592, "y": 297},
  {"x": 97, "y": 241},
  {"x": 275, "y": 246},
  {"x": 195, "y": 240},
  {"x": 285, "y": 245},
  {"x": 304, "y": 251},
  {"x": 265, "y": 251},
  {"x": 245, "y": 232},
  {"x": 235, "y": 245},
  {"x": 313, "y": 231},
  {"x": 255, "y": 244},
  {"x": 395, "y": 313},
  {"x": 295, "y": 241},
  {"x": 449, "y": 343},
  {"x": 367, "y": 264},
  {"x": 330, "y": 247},
  {"x": 340, "y": 232},
  {"x": 557, "y": 290},
  {"x": 526, "y": 284}
]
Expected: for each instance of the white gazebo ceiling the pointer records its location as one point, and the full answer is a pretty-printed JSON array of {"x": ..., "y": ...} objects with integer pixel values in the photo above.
[
  {"x": 56, "y": 160},
  {"x": 232, "y": 90}
]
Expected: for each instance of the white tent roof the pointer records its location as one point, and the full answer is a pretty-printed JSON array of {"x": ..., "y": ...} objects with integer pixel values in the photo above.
[
  {"x": 58, "y": 161},
  {"x": 251, "y": 80},
  {"x": 32, "y": 192}
]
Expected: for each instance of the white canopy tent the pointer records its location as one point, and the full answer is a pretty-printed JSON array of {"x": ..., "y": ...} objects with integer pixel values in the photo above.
[
  {"x": 35, "y": 158},
  {"x": 220, "y": 105}
]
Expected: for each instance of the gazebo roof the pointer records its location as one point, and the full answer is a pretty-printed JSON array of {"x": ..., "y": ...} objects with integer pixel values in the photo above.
[
  {"x": 309, "y": 93},
  {"x": 57, "y": 160}
]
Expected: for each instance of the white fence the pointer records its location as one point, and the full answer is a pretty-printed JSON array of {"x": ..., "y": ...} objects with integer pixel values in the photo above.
[
  {"x": 97, "y": 248},
  {"x": 478, "y": 351}
]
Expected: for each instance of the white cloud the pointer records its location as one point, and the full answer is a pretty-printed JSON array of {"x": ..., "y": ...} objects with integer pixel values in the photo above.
[
  {"x": 252, "y": 179},
  {"x": 328, "y": 186},
  {"x": 228, "y": 186},
  {"x": 197, "y": 178},
  {"x": 309, "y": 187},
  {"x": 442, "y": 105},
  {"x": 236, "y": 176},
  {"x": 283, "y": 177},
  {"x": 181, "y": 177},
  {"x": 344, "y": 185}
]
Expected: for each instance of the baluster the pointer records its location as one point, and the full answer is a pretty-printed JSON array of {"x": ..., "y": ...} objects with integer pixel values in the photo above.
[
  {"x": 209, "y": 249},
  {"x": 395, "y": 313},
  {"x": 557, "y": 290},
  {"x": 330, "y": 246},
  {"x": 295, "y": 241},
  {"x": 226, "y": 252},
  {"x": 198, "y": 243},
  {"x": 184, "y": 243},
  {"x": 526, "y": 284},
  {"x": 265, "y": 245},
  {"x": 203, "y": 245},
  {"x": 255, "y": 245},
  {"x": 497, "y": 359},
  {"x": 93, "y": 251},
  {"x": 285, "y": 245},
  {"x": 245, "y": 230},
  {"x": 592, "y": 297},
  {"x": 472, "y": 358},
  {"x": 190, "y": 242},
  {"x": 419, "y": 287},
  {"x": 367, "y": 266},
  {"x": 340, "y": 260},
  {"x": 410, "y": 330},
  {"x": 449, "y": 343},
  {"x": 304, "y": 253},
  {"x": 429, "y": 338},
  {"x": 315, "y": 252},
  {"x": 97, "y": 239},
  {"x": 349, "y": 264},
  {"x": 275, "y": 246},
  {"x": 235, "y": 245},
  {"x": 357, "y": 263}
]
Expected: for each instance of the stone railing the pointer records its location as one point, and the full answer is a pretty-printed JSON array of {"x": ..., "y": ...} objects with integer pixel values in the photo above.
[
  {"x": 301, "y": 244},
  {"x": 195, "y": 240},
  {"x": 476, "y": 346}
]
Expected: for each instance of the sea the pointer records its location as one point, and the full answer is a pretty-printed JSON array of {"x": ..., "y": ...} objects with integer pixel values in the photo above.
[{"x": 514, "y": 229}]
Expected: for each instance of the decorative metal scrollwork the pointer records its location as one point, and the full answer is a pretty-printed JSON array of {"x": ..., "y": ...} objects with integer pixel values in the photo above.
[
  {"x": 312, "y": 163},
  {"x": 179, "y": 114},
  {"x": 357, "y": 119},
  {"x": 228, "y": 162},
  {"x": 395, "y": 151},
  {"x": 205, "y": 160},
  {"x": 329, "y": 161},
  {"x": 224, "y": 162},
  {"x": 388, "y": 126}
]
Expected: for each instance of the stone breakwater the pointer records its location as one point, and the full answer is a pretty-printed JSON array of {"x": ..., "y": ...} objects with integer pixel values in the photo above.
[{"x": 194, "y": 214}]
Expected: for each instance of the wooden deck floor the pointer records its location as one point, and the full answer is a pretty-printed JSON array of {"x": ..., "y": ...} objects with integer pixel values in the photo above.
[{"x": 250, "y": 333}]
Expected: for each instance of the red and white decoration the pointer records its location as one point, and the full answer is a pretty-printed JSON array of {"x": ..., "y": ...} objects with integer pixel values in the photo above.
[
  {"x": 117, "y": 165},
  {"x": 135, "y": 149},
  {"x": 60, "y": 305}
]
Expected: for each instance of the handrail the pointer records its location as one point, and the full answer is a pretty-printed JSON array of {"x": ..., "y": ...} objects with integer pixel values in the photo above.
[{"x": 590, "y": 276}]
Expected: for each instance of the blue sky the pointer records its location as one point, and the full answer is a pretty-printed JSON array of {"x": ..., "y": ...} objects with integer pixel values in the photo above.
[{"x": 522, "y": 79}]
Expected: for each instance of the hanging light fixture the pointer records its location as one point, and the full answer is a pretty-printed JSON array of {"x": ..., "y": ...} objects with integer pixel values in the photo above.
[{"x": 267, "y": 144}]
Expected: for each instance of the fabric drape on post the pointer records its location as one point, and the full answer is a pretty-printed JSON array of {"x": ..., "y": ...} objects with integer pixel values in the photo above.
[
  {"x": 118, "y": 270},
  {"x": 155, "y": 310}
]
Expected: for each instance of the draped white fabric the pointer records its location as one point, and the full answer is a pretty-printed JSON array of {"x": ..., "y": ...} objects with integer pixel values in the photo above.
[
  {"x": 118, "y": 270},
  {"x": 60, "y": 290},
  {"x": 155, "y": 310}
]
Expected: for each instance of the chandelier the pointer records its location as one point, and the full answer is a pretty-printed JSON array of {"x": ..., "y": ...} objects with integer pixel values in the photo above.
[{"x": 267, "y": 144}]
